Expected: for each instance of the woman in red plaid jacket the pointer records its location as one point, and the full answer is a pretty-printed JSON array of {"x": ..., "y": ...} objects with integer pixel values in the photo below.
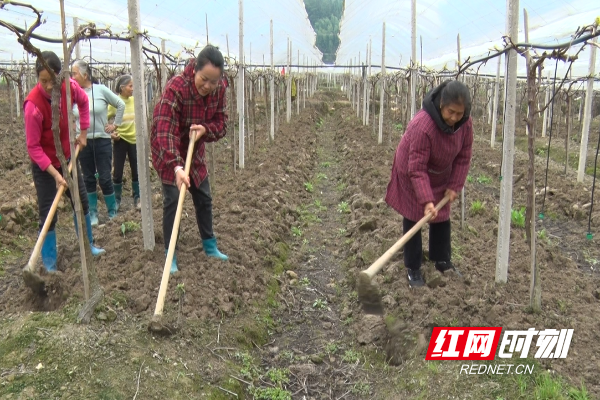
[
  {"x": 193, "y": 100},
  {"x": 431, "y": 161}
]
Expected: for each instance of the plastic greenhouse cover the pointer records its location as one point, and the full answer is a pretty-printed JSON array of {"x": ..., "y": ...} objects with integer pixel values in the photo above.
[
  {"x": 179, "y": 22},
  {"x": 480, "y": 23}
]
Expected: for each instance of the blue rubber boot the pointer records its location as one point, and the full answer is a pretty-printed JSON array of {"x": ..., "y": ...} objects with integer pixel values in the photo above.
[
  {"x": 111, "y": 205},
  {"x": 118, "y": 192},
  {"x": 96, "y": 251},
  {"x": 49, "y": 251},
  {"x": 173, "y": 263},
  {"x": 93, "y": 201},
  {"x": 135, "y": 186},
  {"x": 210, "y": 248}
]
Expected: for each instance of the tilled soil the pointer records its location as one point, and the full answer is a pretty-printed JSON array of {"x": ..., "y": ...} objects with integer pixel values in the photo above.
[
  {"x": 568, "y": 261},
  {"x": 255, "y": 211}
]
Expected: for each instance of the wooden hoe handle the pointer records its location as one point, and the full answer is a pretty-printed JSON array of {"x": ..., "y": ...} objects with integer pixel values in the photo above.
[
  {"x": 42, "y": 236},
  {"x": 381, "y": 261},
  {"x": 164, "y": 283}
]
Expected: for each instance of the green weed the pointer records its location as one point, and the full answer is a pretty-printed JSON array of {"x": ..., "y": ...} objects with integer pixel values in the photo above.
[
  {"x": 483, "y": 179},
  {"x": 517, "y": 217},
  {"x": 477, "y": 206},
  {"x": 129, "y": 226},
  {"x": 331, "y": 348},
  {"x": 271, "y": 394},
  {"x": 361, "y": 389},
  {"x": 319, "y": 304},
  {"x": 351, "y": 356},
  {"x": 343, "y": 207},
  {"x": 278, "y": 376},
  {"x": 305, "y": 281},
  {"x": 548, "y": 388},
  {"x": 579, "y": 394}
]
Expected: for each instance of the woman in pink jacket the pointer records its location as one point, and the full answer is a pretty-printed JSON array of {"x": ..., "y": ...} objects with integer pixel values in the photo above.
[
  {"x": 45, "y": 166},
  {"x": 431, "y": 161}
]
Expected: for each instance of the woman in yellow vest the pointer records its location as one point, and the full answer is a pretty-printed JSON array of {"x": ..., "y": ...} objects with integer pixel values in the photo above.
[{"x": 124, "y": 141}]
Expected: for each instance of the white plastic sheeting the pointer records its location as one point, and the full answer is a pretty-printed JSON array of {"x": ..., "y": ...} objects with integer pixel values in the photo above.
[
  {"x": 179, "y": 22},
  {"x": 481, "y": 24}
]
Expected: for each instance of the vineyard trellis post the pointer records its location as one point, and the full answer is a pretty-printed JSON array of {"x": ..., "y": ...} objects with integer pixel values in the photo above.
[
  {"x": 587, "y": 112},
  {"x": 240, "y": 87},
  {"x": 364, "y": 83},
  {"x": 358, "y": 89},
  {"x": 547, "y": 110},
  {"x": 382, "y": 87},
  {"x": 288, "y": 79},
  {"x": 489, "y": 92},
  {"x": 272, "y": 89},
  {"x": 84, "y": 249},
  {"x": 495, "y": 106},
  {"x": 413, "y": 59},
  {"x": 462, "y": 192},
  {"x": 527, "y": 64},
  {"x": 535, "y": 294},
  {"x": 163, "y": 65},
  {"x": 569, "y": 124},
  {"x": 506, "y": 184},
  {"x": 369, "y": 86},
  {"x": 298, "y": 87},
  {"x": 77, "y": 46},
  {"x": 141, "y": 132}
]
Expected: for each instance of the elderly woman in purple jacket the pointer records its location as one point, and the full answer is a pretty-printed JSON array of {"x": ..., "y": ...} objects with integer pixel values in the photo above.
[{"x": 432, "y": 161}]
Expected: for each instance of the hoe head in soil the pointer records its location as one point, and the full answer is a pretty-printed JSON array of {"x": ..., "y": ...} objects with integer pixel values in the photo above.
[
  {"x": 158, "y": 327},
  {"x": 34, "y": 281},
  {"x": 368, "y": 295}
]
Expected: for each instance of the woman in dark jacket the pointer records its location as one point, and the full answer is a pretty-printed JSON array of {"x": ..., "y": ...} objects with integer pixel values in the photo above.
[{"x": 432, "y": 161}]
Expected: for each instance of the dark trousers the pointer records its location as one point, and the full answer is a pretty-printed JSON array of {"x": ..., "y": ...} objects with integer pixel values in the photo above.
[
  {"x": 202, "y": 203},
  {"x": 121, "y": 150},
  {"x": 45, "y": 187},
  {"x": 97, "y": 157},
  {"x": 439, "y": 244}
]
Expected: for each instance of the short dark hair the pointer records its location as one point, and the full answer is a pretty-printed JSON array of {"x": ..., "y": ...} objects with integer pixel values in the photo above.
[
  {"x": 456, "y": 92},
  {"x": 51, "y": 59},
  {"x": 210, "y": 54}
]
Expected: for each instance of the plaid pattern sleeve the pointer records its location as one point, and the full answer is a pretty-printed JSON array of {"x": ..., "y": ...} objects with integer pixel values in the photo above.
[
  {"x": 180, "y": 107},
  {"x": 216, "y": 127},
  {"x": 462, "y": 162},
  {"x": 418, "y": 158},
  {"x": 165, "y": 133}
]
